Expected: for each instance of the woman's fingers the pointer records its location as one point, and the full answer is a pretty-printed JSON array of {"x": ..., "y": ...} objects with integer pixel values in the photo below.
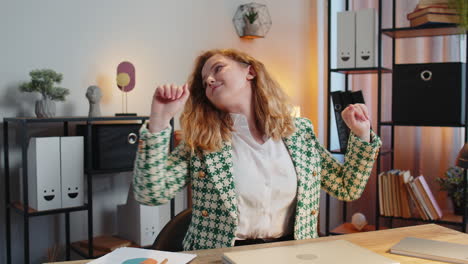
[
  {"x": 364, "y": 110},
  {"x": 171, "y": 91}
]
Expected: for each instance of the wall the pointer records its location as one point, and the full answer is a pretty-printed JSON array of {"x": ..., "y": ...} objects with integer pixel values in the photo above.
[{"x": 85, "y": 40}]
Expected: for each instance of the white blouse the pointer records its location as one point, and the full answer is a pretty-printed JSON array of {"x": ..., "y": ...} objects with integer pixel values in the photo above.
[{"x": 265, "y": 181}]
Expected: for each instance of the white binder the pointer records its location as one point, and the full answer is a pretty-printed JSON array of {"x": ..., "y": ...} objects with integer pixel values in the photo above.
[
  {"x": 44, "y": 192},
  {"x": 366, "y": 38},
  {"x": 346, "y": 39},
  {"x": 71, "y": 160}
]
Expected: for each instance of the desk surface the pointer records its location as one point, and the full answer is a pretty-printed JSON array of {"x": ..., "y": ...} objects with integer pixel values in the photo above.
[{"x": 377, "y": 241}]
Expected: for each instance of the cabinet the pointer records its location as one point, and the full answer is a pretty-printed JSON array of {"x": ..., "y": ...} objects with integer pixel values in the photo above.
[
  {"x": 23, "y": 127},
  {"x": 387, "y": 153}
]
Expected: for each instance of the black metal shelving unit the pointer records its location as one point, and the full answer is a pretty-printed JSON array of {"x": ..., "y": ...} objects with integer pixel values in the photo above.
[
  {"x": 431, "y": 30},
  {"x": 379, "y": 70},
  {"x": 23, "y": 210},
  {"x": 393, "y": 33}
]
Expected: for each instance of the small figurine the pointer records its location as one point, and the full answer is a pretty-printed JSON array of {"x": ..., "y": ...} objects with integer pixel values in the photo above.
[
  {"x": 359, "y": 221},
  {"x": 94, "y": 96}
]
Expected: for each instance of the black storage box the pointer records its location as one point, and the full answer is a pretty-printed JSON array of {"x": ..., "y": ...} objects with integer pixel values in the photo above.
[
  {"x": 114, "y": 146},
  {"x": 431, "y": 94}
]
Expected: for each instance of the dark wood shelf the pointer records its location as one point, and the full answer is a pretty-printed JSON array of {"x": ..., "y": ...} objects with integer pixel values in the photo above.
[
  {"x": 448, "y": 218},
  {"x": 19, "y": 208},
  {"x": 430, "y": 30},
  {"x": 72, "y": 119},
  {"x": 371, "y": 70},
  {"x": 348, "y": 228},
  {"x": 83, "y": 250}
]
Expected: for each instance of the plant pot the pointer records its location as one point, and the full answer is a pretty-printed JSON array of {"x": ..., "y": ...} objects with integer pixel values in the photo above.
[
  {"x": 45, "y": 108},
  {"x": 458, "y": 210},
  {"x": 251, "y": 29}
]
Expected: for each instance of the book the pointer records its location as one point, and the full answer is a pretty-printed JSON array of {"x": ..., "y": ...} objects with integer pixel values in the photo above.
[
  {"x": 431, "y": 10},
  {"x": 434, "y": 18},
  {"x": 418, "y": 199},
  {"x": 429, "y": 197},
  {"x": 414, "y": 199},
  {"x": 418, "y": 192},
  {"x": 381, "y": 201},
  {"x": 403, "y": 177}
]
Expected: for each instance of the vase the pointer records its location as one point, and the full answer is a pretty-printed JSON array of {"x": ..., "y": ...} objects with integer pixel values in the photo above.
[
  {"x": 458, "y": 210},
  {"x": 251, "y": 29},
  {"x": 45, "y": 108}
]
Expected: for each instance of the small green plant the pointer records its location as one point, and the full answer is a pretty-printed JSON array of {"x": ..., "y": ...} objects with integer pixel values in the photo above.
[
  {"x": 462, "y": 9},
  {"x": 453, "y": 184},
  {"x": 251, "y": 15},
  {"x": 42, "y": 81}
]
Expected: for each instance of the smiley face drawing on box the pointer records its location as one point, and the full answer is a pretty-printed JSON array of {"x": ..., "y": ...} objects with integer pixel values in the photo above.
[
  {"x": 72, "y": 192},
  {"x": 49, "y": 195}
]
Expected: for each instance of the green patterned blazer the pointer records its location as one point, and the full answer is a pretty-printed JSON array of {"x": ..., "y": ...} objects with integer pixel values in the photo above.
[{"x": 159, "y": 175}]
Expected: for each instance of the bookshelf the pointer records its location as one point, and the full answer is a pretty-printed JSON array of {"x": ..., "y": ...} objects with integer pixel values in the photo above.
[
  {"x": 393, "y": 33},
  {"x": 22, "y": 127}
]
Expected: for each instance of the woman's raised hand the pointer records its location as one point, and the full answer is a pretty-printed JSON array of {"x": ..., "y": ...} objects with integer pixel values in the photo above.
[
  {"x": 357, "y": 119},
  {"x": 168, "y": 100}
]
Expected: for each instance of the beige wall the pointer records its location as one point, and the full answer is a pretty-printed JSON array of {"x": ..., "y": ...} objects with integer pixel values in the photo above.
[{"x": 85, "y": 40}]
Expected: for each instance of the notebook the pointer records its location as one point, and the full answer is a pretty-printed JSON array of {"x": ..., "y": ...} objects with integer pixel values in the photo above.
[
  {"x": 330, "y": 252},
  {"x": 431, "y": 249}
]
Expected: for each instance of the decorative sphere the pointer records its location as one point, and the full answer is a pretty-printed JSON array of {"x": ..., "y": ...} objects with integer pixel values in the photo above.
[
  {"x": 359, "y": 221},
  {"x": 123, "y": 79}
]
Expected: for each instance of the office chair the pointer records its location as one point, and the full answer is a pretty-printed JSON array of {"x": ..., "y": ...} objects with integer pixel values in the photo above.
[{"x": 171, "y": 236}]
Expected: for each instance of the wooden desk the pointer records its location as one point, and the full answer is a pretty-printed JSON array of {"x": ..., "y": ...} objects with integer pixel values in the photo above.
[{"x": 377, "y": 241}]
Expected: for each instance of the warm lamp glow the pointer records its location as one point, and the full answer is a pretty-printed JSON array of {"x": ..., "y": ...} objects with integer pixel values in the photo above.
[
  {"x": 296, "y": 111},
  {"x": 462, "y": 159}
]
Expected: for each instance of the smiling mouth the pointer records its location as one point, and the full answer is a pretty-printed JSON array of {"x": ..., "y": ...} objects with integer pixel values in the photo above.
[
  {"x": 215, "y": 87},
  {"x": 49, "y": 197},
  {"x": 73, "y": 195}
]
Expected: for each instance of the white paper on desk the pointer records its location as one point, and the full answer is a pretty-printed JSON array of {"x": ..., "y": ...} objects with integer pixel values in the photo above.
[{"x": 127, "y": 255}]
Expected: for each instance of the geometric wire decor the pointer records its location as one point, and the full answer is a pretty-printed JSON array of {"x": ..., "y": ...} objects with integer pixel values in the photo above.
[{"x": 252, "y": 20}]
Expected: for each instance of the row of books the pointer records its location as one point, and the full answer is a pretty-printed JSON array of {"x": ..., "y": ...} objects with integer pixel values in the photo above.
[
  {"x": 400, "y": 194},
  {"x": 433, "y": 14}
]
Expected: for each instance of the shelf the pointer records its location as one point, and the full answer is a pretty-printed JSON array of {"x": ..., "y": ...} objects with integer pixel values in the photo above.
[
  {"x": 82, "y": 250},
  {"x": 108, "y": 171},
  {"x": 348, "y": 228},
  {"x": 382, "y": 152},
  {"x": 72, "y": 119},
  {"x": 18, "y": 207},
  {"x": 447, "y": 219},
  {"x": 390, "y": 123},
  {"x": 361, "y": 70},
  {"x": 423, "y": 31}
]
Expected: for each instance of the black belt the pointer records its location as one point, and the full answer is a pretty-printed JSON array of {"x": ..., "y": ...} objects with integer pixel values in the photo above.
[{"x": 261, "y": 240}]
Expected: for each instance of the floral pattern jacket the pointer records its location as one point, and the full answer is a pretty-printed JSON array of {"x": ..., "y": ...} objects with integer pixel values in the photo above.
[{"x": 159, "y": 175}]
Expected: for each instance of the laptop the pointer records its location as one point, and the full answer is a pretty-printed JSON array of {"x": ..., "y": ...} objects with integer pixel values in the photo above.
[
  {"x": 431, "y": 249},
  {"x": 330, "y": 252}
]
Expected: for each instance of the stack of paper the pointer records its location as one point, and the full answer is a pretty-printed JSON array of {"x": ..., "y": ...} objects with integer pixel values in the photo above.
[{"x": 127, "y": 255}]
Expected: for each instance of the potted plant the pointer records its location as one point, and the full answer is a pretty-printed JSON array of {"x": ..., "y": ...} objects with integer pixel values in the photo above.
[
  {"x": 462, "y": 9},
  {"x": 251, "y": 28},
  {"x": 42, "y": 81},
  {"x": 453, "y": 184}
]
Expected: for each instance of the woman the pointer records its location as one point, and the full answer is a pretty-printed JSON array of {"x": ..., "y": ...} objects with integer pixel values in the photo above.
[{"x": 255, "y": 171}]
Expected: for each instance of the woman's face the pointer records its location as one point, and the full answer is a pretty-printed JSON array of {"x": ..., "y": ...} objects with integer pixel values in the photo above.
[{"x": 227, "y": 82}]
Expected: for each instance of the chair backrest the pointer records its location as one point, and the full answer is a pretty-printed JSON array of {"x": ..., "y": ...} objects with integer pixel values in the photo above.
[{"x": 171, "y": 236}]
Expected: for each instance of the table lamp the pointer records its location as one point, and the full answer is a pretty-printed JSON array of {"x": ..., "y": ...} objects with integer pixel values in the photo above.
[{"x": 462, "y": 158}]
